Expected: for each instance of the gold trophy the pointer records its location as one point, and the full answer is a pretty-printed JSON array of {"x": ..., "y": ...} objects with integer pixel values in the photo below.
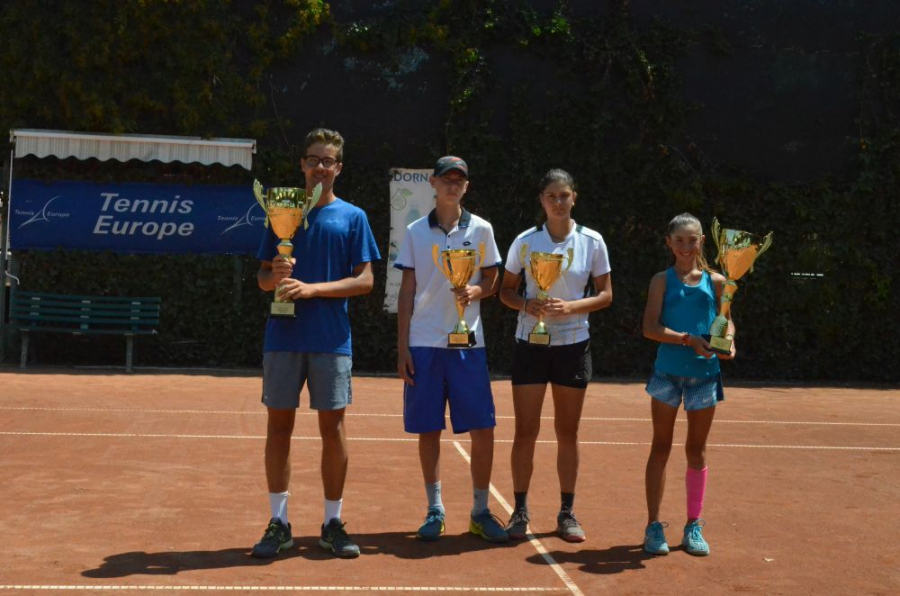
[
  {"x": 285, "y": 209},
  {"x": 737, "y": 253},
  {"x": 458, "y": 266},
  {"x": 545, "y": 268}
]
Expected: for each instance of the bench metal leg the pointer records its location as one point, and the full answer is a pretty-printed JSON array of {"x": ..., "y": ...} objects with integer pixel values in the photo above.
[
  {"x": 129, "y": 350},
  {"x": 24, "y": 349}
]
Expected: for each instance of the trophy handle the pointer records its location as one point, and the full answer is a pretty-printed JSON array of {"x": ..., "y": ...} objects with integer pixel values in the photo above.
[
  {"x": 569, "y": 254},
  {"x": 523, "y": 252},
  {"x": 766, "y": 243},
  {"x": 714, "y": 230},
  {"x": 479, "y": 261},
  {"x": 434, "y": 256},
  {"x": 260, "y": 198},
  {"x": 439, "y": 263},
  {"x": 310, "y": 203}
]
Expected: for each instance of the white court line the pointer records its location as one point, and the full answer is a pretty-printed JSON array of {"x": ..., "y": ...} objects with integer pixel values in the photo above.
[
  {"x": 108, "y": 588},
  {"x": 377, "y": 415},
  {"x": 570, "y": 585},
  {"x": 410, "y": 440}
]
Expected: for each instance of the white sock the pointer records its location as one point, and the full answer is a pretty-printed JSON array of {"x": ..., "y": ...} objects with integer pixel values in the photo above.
[
  {"x": 481, "y": 500},
  {"x": 333, "y": 509},
  {"x": 278, "y": 503}
]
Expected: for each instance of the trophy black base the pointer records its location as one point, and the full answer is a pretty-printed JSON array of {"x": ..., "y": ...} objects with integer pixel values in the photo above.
[
  {"x": 719, "y": 345},
  {"x": 461, "y": 340},
  {"x": 539, "y": 339},
  {"x": 282, "y": 310}
]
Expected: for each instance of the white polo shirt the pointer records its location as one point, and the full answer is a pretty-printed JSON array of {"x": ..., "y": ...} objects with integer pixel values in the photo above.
[
  {"x": 589, "y": 260},
  {"x": 434, "y": 310}
]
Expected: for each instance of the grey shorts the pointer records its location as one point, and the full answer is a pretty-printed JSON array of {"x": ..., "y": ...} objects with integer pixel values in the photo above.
[{"x": 285, "y": 374}]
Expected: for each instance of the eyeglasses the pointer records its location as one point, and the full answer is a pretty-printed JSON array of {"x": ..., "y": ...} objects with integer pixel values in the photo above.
[{"x": 314, "y": 161}]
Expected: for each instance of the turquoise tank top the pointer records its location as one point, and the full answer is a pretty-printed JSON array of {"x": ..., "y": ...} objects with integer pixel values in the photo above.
[{"x": 687, "y": 309}]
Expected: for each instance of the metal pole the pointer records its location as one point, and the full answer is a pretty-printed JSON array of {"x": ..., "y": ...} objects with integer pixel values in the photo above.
[{"x": 4, "y": 244}]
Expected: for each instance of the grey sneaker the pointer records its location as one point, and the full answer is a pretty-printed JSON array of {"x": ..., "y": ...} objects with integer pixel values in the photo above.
[
  {"x": 568, "y": 527},
  {"x": 335, "y": 539},
  {"x": 276, "y": 538},
  {"x": 517, "y": 528}
]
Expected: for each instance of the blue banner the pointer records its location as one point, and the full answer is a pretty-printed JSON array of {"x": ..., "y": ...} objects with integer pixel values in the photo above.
[{"x": 134, "y": 218}]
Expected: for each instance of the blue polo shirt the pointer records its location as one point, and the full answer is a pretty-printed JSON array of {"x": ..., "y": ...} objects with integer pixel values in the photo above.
[{"x": 337, "y": 241}]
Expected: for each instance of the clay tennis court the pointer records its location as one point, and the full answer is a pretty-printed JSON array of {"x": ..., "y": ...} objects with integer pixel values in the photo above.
[{"x": 154, "y": 481}]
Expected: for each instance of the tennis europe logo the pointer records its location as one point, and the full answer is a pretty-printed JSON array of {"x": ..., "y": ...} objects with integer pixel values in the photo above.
[{"x": 119, "y": 223}]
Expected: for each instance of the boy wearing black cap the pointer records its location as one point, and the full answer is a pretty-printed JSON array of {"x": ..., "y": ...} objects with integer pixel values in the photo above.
[{"x": 434, "y": 373}]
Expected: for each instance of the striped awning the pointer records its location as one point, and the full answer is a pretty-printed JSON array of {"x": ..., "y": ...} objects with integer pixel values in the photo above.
[{"x": 85, "y": 145}]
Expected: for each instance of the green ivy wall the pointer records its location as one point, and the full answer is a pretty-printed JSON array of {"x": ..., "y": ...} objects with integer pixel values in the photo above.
[{"x": 514, "y": 87}]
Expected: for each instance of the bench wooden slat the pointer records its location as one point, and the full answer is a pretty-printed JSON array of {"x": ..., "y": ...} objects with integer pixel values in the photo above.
[
  {"x": 75, "y": 324},
  {"x": 43, "y": 328},
  {"x": 122, "y": 315},
  {"x": 74, "y": 306},
  {"x": 73, "y": 297}
]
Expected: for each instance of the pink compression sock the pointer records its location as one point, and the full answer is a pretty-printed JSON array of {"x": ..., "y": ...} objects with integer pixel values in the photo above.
[{"x": 695, "y": 482}]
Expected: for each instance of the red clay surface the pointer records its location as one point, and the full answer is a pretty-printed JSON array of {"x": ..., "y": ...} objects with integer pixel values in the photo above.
[{"x": 156, "y": 481}]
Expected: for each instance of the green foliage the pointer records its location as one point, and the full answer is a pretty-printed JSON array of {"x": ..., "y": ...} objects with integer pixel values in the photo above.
[
  {"x": 193, "y": 68},
  {"x": 606, "y": 106}
]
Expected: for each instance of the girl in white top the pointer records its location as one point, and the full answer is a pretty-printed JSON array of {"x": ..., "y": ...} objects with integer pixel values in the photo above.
[{"x": 566, "y": 362}]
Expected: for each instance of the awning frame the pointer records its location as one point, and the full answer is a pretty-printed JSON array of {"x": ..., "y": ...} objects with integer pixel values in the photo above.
[{"x": 104, "y": 146}]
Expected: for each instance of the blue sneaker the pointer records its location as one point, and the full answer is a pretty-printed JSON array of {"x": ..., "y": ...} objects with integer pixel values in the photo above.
[
  {"x": 655, "y": 539},
  {"x": 488, "y": 527},
  {"x": 276, "y": 538},
  {"x": 334, "y": 538},
  {"x": 693, "y": 541},
  {"x": 433, "y": 527}
]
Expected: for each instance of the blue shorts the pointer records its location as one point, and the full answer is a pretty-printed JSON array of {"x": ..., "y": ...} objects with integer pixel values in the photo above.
[
  {"x": 444, "y": 375},
  {"x": 328, "y": 375},
  {"x": 699, "y": 393}
]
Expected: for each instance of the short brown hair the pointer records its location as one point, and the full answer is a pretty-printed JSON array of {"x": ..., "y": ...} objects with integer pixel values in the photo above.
[{"x": 327, "y": 137}]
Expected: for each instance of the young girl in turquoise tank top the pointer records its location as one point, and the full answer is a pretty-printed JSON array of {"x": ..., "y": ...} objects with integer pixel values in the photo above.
[{"x": 681, "y": 304}]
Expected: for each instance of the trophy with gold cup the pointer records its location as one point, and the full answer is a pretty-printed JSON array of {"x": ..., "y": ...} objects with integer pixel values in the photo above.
[
  {"x": 458, "y": 266},
  {"x": 286, "y": 208},
  {"x": 546, "y": 268},
  {"x": 737, "y": 252}
]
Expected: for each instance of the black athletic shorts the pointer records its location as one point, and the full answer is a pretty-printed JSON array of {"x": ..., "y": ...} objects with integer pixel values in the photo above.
[{"x": 568, "y": 365}]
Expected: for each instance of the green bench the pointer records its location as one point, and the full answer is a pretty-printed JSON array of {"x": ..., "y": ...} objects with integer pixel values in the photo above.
[{"x": 34, "y": 312}]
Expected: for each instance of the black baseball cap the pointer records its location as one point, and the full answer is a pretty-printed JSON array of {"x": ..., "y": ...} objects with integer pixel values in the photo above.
[{"x": 449, "y": 163}]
